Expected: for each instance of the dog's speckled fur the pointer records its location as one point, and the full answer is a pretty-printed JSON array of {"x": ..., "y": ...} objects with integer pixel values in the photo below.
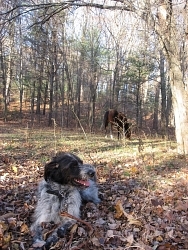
[{"x": 67, "y": 182}]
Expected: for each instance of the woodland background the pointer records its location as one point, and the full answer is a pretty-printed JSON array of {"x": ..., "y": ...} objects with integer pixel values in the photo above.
[
  {"x": 79, "y": 62},
  {"x": 62, "y": 65}
]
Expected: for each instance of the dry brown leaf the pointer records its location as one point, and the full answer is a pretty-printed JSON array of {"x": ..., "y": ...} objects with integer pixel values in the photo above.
[
  {"x": 167, "y": 246},
  {"x": 157, "y": 202},
  {"x": 1, "y": 235},
  {"x": 159, "y": 238},
  {"x": 5, "y": 159},
  {"x": 100, "y": 221},
  {"x": 134, "y": 222},
  {"x": 39, "y": 244},
  {"x": 24, "y": 229},
  {"x": 130, "y": 239},
  {"x": 158, "y": 210},
  {"x": 120, "y": 212},
  {"x": 113, "y": 226},
  {"x": 95, "y": 242},
  {"x": 81, "y": 231},
  {"x": 134, "y": 170},
  {"x": 7, "y": 238},
  {"x": 15, "y": 169},
  {"x": 12, "y": 222},
  {"x": 3, "y": 227},
  {"x": 102, "y": 180},
  {"x": 169, "y": 215},
  {"x": 171, "y": 233},
  {"x": 181, "y": 206},
  {"x": 109, "y": 234},
  {"x": 74, "y": 228}
]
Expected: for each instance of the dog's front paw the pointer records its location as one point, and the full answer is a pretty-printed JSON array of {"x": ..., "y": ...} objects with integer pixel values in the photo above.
[
  {"x": 61, "y": 232},
  {"x": 51, "y": 241},
  {"x": 38, "y": 244},
  {"x": 63, "y": 229}
]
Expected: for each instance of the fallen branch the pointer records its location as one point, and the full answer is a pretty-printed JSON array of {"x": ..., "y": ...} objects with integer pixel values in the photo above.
[{"x": 73, "y": 230}]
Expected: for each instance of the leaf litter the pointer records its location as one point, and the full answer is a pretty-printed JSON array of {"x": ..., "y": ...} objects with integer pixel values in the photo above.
[{"x": 144, "y": 197}]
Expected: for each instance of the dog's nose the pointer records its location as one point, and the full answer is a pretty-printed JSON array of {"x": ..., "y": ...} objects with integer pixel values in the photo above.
[{"x": 91, "y": 173}]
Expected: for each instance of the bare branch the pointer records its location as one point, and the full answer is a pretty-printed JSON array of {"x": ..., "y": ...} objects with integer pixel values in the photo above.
[{"x": 26, "y": 8}]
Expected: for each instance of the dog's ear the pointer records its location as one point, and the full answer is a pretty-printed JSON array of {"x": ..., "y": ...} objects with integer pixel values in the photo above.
[
  {"x": 62, "y": 166},
  {"x": 49, "y": 168},
  {"x": 52, "y": 166}
]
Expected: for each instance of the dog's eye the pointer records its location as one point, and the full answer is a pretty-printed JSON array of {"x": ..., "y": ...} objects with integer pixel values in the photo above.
[{"x": 91, "y": 173}]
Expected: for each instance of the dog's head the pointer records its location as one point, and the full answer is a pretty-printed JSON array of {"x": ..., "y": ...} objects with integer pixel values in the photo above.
[{"x": 67, "y": 168}]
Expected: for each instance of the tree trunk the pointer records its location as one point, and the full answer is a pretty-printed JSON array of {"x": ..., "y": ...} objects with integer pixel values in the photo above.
[
  {"x": 3, "y": 81},
  {"x": 78, "y": 90},
  {"x": 180, "y": 105},
  {"x": 163, "y": 95},
  {"x": 169, "y": 111},
  {"x": 45, "y": 98},
  {"x": 168, "y": 33},
  {"x": 62, "y": 90},
  {"x": 69, "y": 90},
  {"x": 32, "y": 103},
  {"x": 51, "y": 95},
  {"x": 156, "y": 108}
]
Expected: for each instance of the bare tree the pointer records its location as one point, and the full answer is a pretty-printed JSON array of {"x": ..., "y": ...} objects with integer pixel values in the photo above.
[
  {"x": 6, "y": 61},
  {"x": 168, "y": 19}
]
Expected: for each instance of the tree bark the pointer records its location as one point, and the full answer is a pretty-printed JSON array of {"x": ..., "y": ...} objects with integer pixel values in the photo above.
[
  {"x": 156, "y": 108},
  {"x": 180, "y": 105},
  {"x": 168, "y": 34},
  {"x": 163, "y": 95}
]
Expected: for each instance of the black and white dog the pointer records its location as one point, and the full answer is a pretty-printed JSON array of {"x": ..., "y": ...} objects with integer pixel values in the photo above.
[{"x": 67, "y": 182}]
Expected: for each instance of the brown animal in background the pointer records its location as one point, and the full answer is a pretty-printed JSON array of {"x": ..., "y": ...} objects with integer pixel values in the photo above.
[{"x": 118, "y": 120}]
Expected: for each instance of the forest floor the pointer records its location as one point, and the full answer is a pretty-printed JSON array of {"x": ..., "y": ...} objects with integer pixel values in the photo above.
[{"x": 143, "y": 183}]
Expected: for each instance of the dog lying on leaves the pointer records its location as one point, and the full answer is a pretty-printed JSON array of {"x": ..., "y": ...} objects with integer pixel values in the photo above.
[{"x": 67, "y": 182}]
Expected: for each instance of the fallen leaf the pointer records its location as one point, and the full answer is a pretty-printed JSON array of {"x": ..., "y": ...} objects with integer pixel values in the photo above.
[
  {"x": 39, "y": 244},
  {"x": 167, "y": 246},
  {"x": 1, "y": 236},
  {"x": 155, "y": 202},
  {"x": 170, "y": 234},
  {"x": 74, "y": 228},
  {"x": 7, "y": 238},
  {"x": 181, "y": 206},
  {"x": 120, "y": 211},
  {"x": 24, "y": 229},
  {"x": 11, "y": 222},
  {"x": 95, "y": 242},
  {"x": 81, "y": 231},
  {"x": 134, "y": 170},
  {"x": 14, "y": 168},
  {"x": 109, "y": 234},
  {"x": 159, "y": 238},
  {"x": 112, "y": 226},
  {"x": 130, "y": 239},
  {"x": 100, "y": 221}
]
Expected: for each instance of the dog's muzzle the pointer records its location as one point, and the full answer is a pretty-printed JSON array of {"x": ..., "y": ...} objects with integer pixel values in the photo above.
[
  {"x": 84, "y": 182},
  {"x": 81, "y": 183}
]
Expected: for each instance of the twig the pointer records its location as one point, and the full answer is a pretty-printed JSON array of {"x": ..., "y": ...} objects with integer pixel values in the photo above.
[
  {"x": 77, "y": 219},
  {"x": 80, "y": 123},
  {"x": 70, "y": 240},
  {"x": 55, "y": 141},
  {"x": 83, "y": 132},
  {"x": 73, "y": 230}
]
